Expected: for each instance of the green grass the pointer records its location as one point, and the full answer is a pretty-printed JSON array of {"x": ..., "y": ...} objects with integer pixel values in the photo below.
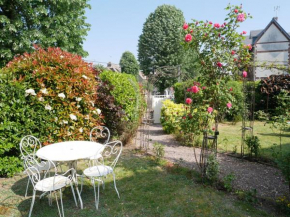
[
  {"x": 230, "y": 138},
  {"x": 146, "y": 189}
]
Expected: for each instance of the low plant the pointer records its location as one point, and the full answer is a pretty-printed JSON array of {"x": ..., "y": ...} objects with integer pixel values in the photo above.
[
  {"x": 212, "y": 168},
  {"x": 158, "y": 150},
  {"x": 248, "y": 196},
  {"x": 283, "y": 205},
  {"x": 253, "y": 144},
  {"x": 283, "y": 163},
  {"x": 228, "y": 181}
]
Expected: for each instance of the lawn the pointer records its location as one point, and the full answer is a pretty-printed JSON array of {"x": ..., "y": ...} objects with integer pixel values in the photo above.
[
  {"x": 146, "y": 188},
  {"x": 230, "y": 138}
]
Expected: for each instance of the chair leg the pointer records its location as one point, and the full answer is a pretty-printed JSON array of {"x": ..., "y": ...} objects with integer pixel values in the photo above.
[
  {"x": 61, "y": 203},
  {"x": 27, "y": 187},
  {"x": 32, "y": 203},
  {"x": 73, "y": 191},
  {"x": 80, "y": 199},
  {"x": 115, "y": 185},
  {"x": 96, "y": 200},
  {"x": 82, "y": 183},
  {"x": 57, "y": 204}
]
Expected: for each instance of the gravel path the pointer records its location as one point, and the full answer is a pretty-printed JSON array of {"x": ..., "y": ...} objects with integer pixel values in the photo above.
[{"x": 267, "y": 180}]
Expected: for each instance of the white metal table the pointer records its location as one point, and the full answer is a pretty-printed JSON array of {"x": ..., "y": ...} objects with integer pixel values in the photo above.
[{"x": 70, "y": 152}]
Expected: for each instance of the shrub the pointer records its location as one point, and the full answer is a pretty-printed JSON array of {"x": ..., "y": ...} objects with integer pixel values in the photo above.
[
  {"x": 212, "y": 168},
  {"x": 50, "y": 94},
  {"x": 253, "y": 144},
  {"x": 120, "y": 99},
  {"x": 171, "y": 116},
  {"x": 158, "y": 149}
]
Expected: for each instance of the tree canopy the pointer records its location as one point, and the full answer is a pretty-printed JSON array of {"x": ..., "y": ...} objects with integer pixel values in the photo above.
[
  {"x": 129, "y": 63},
  {"x": 49, "y": 23},
  {"x": 159, "y": 44}
]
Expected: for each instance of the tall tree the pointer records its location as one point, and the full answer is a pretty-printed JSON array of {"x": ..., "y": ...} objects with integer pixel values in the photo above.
[
  {"x": 49, "y": 23},
  {"x": 159, "y": 44},
  {"x": 129, "y": 63}
]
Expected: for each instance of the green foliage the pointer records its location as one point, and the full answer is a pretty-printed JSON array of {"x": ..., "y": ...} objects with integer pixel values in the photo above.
[
  {"x": 228, "y": 181},
  {"x": 120, "y": 99},
  {"x": 48, "y": 94},
  {"x": 159, "y": 44},
  {"x": 283, "y": 163},
  {"x": 9, "y": 165},
  {"x": 171, "y": 116},
  {"x": 129, "y": 63},
  {"x": 212, "y": 168},
  {"x": 159, "y": 151},
  {"x": 283, "y": 205},
  {"x": 261, "y": 115},
  {"x": 253, "y": 144},
  {"x": 248, "y": 196},
  {"x": 46, "y": 23}
]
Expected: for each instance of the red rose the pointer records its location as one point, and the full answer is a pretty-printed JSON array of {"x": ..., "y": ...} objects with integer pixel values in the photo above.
[
  {"x": 236, "y": 11},
  {"x": 219, "y": 64},
  {"x": 233, "y": 52},
  {"x": 194, "y": 89},
  {"x": 209, "y": 109},
  {"x": 188, "y": 101},
  {"x": 188, "y": 37},
  {"x": 185, "y": 26}
]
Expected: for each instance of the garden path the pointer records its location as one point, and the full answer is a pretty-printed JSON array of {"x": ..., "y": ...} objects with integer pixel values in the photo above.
[{"x": 267, "y": 180}]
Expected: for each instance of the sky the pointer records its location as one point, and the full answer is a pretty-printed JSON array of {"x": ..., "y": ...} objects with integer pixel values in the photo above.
[{"x": 117, "y": 24}]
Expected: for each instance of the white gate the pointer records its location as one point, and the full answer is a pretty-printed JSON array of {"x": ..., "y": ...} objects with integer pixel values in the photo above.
[{"x": 156, "y": 106}]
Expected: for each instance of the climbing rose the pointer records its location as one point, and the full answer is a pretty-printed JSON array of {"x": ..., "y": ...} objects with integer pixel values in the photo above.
[
  {"x": 244, "y": 32},
  {"x": 229, "y": 105},
  {"x": 210, "y": 22},
  {"x": 195, "y": 89},
  {"x": 188, "y": 100},
  {"x": 217, "y": 25},
  {"x": 209, "y": 109},
  {"x": 185, "y": 26},
  {"x": 204, "y": 87},
  {"x": 188, "y": 37},
  {"x": 231, "y": 89},
  {"x": 219, "y": 64},
  {"x": 245, "y": 74},
  {"x": 236, "y": 11},
  {"x": 241, "y": 17},
  {"x": 233, "y": 52},
  {"x": 249, "y": 46}
]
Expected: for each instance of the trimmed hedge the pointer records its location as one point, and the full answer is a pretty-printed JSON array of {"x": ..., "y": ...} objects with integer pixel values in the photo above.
[{"x": 122, "y": 103}]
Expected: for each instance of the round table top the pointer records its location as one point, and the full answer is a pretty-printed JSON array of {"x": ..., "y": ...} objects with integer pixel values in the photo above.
[{"x": 69, "y": 151}]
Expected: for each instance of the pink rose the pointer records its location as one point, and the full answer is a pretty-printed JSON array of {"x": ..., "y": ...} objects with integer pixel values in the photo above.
[
  {"x": 244, "y": 32},
  {"x": 225, "y": 23},
  {"x": 204, "y": 87},
  {"x": 241, "y": 17},
  {"x": 236, "y": 11},
  {"x": 185, "y": 26},
  {"x": 233, "y": 52},
  {"x": 209, "y": 109},
  {"x": 235, "y": 59},
  {"x": 217, "y": 25},
  {"x": 188, "y": 100},
  {"x": 249, "y": 46},
  {"x": 210, "y": 22},
  {"x": 245, "y": 74},
  {"x": 188, "y": 89},
  {"x": 222, "y": 26},
  {"x": 195, "y": 89},
  {"x": 191, "y": 31},
  {"x": 229, "y": 105},
  {"x": 183, "y": 117},
  {"x": 188, "y": 37},
  {"x": 219, "y": 64}
]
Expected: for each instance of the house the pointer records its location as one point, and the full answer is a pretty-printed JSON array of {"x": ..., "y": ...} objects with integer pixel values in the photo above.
[
  {"x": 271, "y": 45},
  {"x": 113, "y": 67}
]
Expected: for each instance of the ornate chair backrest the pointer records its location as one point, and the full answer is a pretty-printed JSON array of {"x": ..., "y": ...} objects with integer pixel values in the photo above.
[
  {"x": 110, "y": 154},
  {"x": 28, "y": 145},
  {"x": 100, "y": 134},
  {"x": 33, "y": 168}
]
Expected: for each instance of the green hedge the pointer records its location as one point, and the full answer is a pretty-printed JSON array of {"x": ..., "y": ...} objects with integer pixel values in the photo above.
[{"x": 121, "y": 102}]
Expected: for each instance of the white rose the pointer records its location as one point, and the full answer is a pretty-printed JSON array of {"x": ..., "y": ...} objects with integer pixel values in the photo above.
[
  {"x": 44, "y": 91},
  {"x": 61, "y": 95},
  {"x": 78, "y": 99},
  {"x": 85, "y": 77},
  {"x": 48, "y": 107},
  {"x": 55, "y": 119},
  {"x": 61, "y": 56},
  {"x": 81, "y": 130},
  {"x": 65, "y": 122},
  {"x": 30, "y": 92},
  {"x": 41, "y": 99},
  {"x": 78, "y": 106},
  {"x": 73, "y": 117},
  {"x": 99, "y": 111},
  {"x": 87, "y": 117}
]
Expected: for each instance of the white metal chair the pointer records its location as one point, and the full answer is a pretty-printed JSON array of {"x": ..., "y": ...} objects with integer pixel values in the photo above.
[
  {"x": 51, "y": 184},
  {"x": 104, "y": 166},
  {"x": 100, "y": 134},
  {"x": 28, "y": 146}
]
